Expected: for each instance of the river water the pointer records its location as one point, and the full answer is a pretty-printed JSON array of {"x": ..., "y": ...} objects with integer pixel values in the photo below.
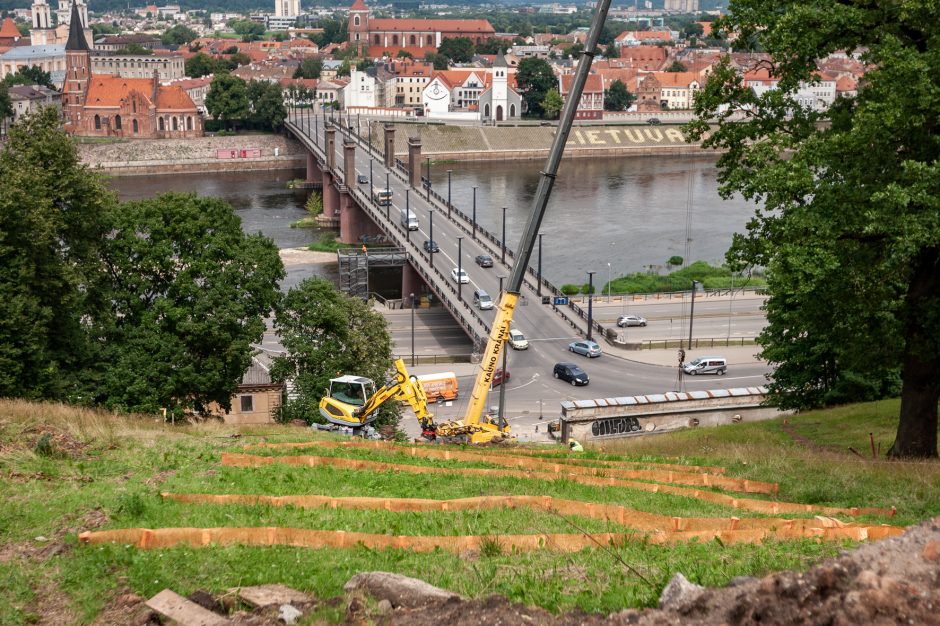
[{"x": 629, "y": 212}]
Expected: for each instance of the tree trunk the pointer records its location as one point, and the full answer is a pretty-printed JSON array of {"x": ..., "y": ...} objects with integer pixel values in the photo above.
[{"x": 920, "y": 374}]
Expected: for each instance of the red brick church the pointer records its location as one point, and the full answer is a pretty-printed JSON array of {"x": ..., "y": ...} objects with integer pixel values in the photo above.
[
  {"x": 375, "y": 37},
  {"x": 102, "y": 105}
]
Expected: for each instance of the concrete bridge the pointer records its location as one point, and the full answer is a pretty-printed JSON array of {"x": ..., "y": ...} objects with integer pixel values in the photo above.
[{"x": 338, "y": 158}]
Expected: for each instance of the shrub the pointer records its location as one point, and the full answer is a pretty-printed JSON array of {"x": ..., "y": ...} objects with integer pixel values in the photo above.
[{"x": 569, "y": 290}]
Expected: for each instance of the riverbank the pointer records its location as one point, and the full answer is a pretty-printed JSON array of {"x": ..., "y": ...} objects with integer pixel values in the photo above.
[{"x": 139, "y": 157}]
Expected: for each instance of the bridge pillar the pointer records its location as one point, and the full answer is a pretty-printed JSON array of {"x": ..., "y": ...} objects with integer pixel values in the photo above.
[
  {"x": 313, "y": 168},
  {"x": 330, "y": 195},
  {"x": 353, "y": 221},
  {"x": 349, "y": 163},
  {"x": 411, "y": 282},
  {"x": 414, "y": 161},
  {"x": 330, "y": 148},
  {"x": 389, "y": 146}
]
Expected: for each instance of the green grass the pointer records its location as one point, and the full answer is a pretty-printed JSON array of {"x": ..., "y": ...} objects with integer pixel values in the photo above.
[
  {"x": 113, "y": 468},
  {"x": 680, "y": 280},
  {"x": 328, "y": 243}
]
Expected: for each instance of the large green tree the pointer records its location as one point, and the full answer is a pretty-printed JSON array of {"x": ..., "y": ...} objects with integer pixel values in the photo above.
[
  {"x": 327, "y": 333},
  {"x": 6, "y": 104},
  {"x": 188, "y": 294},
  {"x": 227, "y": 99},
  {"x": 31, "y": 75},
  {"x": 457, "y": 49},
  {"x": 617, "y": 98},
  {"x": 267, "y": 105},
  {"x": 849, "y": 230},
  {"x": 52, "y": 223},
  {"x": 178, "y": 35},
  {"x": 309, "y": 68},
  {"x": 535, "y": 78}
]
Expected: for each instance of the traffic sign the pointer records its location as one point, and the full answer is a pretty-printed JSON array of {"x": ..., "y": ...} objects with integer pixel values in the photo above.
[{"x": 560, "y": 301}]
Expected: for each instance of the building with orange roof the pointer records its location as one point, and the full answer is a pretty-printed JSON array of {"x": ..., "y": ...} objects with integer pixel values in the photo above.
[
  {"x": 639, "y": 37},
  {"x": 591, "y": 105},
  {"x": 501, "y": 100},
  {"x": 678, "y": 89},
  {"x": 649, "y": 58},
  {"x": 9, "y": 33},
  {"x": 112, "y": 106},
  {"x": 377, "y": 36},
  {"x": 453, "y": 90}
]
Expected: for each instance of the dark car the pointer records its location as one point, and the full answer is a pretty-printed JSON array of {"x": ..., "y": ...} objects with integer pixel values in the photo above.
[
  {"x": 362, "y": 179},
  {"x": 484, "y": 260},
  {"x": 653, "y": 121},
  {"x": 498, "y": 377},
  {"x": 431, "y": 246},
  {"x": 571, "y": 373}
]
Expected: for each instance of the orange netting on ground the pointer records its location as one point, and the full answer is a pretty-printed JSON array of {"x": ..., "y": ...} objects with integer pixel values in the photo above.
[
  {"x": 614, "y": 513},
  {"x": 686, "y": 477},
  {"x": 146, "y": 538},
  {"x": 759, "y": 506}
]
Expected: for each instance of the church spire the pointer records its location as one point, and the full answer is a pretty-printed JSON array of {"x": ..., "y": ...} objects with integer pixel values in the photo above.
[{"x": 77, "y": 39}]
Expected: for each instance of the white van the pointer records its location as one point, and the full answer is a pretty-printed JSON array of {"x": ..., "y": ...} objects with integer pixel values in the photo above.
[
  {"x": 517, "y": 340},
  {"x": 409, "y": 220},
  {"x": 482, "y": 300},
  {"x": 706, "y": 365}
]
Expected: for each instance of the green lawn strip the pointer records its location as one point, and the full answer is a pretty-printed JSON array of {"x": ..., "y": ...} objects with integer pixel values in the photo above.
[
  {"x": 17, "y": 584},
  {"x": 591, "y": 580}
]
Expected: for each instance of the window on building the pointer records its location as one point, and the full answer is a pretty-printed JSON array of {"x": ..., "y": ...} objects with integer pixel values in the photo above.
[
  {"x": 189, "y": 122},
  {"x": 247, "y": 404},
  {"x": 117, "y": 122},
  {"x": 356, "y": 22},
  {"x": 136, "y": 127},
  {"x": 394, "y": 40},
  {"x": 412, "y": 40},
  {"x": 97, "y": 122},
  {"x": 175, "y": 127},
  {"x": 162, "y": 125},
  {"x": 375, "y": 40}
]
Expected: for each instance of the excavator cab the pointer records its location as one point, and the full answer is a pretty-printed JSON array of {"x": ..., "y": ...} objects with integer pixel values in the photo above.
[{"x": 348, "y": 394}]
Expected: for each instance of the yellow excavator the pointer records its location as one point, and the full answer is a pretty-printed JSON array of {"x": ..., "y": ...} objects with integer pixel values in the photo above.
[{"x": 476, "y": 426}]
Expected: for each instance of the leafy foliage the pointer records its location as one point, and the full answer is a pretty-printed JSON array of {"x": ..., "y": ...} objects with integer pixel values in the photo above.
[
  {"x": 32, "y": 75},
  {"x": 52, "y": 223},
  {"x": 457, "y": 49},
  {"x": 617, "y": 98},
  {"x": 267, "y": 105},
  {"x": 309, "y": 68},
  {"x": 850, "y": 230},
  {"x": 327, "y": 333},
  {"x": 247, "y": 29},
  {"x": 677, "y": 66},
  {"x": 227, "y": 99},
  {"x": 535, "y": 78},
  {"x": 178, "y": 35},
  {"x": 188, "y": 293},
  {"x": 6, "y": 104},
  {"x": 552, "y": 104}
]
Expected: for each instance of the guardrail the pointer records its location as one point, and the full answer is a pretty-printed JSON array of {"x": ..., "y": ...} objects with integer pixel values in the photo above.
[{"x": 434, "y": 359}]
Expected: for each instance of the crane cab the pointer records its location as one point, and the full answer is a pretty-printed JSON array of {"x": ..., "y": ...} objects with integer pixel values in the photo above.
[{"x": 348, "y": 394}]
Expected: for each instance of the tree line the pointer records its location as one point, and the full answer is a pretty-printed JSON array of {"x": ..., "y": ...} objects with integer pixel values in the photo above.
[{"x": 152, "y": 304}]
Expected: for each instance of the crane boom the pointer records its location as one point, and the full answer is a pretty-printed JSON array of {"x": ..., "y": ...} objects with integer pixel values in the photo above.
[{"x": 496, "y": 342}]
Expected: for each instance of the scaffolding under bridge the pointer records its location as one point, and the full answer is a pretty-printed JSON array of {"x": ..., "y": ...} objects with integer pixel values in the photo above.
[{"x": 354, "y": 264}]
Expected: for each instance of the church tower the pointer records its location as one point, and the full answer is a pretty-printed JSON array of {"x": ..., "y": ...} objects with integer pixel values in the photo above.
[
  {"x": 500, "y": 88},
  {"x": 359, "y": 26},
  {"x": 77, "y": 71},
  {"x": 42, "y": 33}
]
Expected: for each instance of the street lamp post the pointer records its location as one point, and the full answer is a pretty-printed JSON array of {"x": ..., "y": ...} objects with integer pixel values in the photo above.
[
  {"x": 412, "y": 330},
  {"x": 371, "y": 180},
  {"x": 448, "y": 192},
  {"x": 407, "y": 213},
  {"x": 608, "y": 283},
  {"x": 538, "y": 287},
  {"x": 388, "y": 197},
  {"x": 431, "y": 235},
  {"x": 370, "y": 137},
  {"x": 474, "y": 211},
  {"x": 692, "y": 311},
  {"x": 459, "y": 268},
  {"x": 590, "y": 303},
  {"x": 503, "y": 240},
  {"x": 501, "y": 285},
  {"x": 429, "y": 179}
]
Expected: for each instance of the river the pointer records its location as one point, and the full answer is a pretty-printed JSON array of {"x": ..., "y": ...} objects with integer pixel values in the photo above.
[{"x": 629, "y": 212}]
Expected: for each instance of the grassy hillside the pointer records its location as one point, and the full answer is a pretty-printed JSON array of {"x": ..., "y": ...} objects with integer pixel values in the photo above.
[{"x": 67, "y": 471}]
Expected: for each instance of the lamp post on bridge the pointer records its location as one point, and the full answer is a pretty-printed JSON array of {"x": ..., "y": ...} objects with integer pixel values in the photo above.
[
  {"x": 474, "y": 211},
  {"x": 448, "y": 192},
  {"x": 692, "y": 311},
  {"x": 431, "y": 235},
  {"x": 407, "y": 213},
  {"x": 503, "y": 240},
  {"x": 590, "y": 303},
  {"x": 429, "y": 179},
  {"x": 608, "y": 283},
  {"x": 412, "y": 330},
  {"x": 371, "y": 180},
  {"x": 388, "y": 196},
  {"x": 459, "y": 268}
]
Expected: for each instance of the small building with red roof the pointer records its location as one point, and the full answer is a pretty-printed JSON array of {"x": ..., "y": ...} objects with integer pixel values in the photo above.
[{"x": 591, "y": 105}]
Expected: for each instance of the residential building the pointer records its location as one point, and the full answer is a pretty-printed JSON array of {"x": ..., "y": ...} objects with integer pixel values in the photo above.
[
  {"x": 286, "y": 8},
  {"x": 256, "y": 399},
  {"x": 649, "y": 94},
  {"x": 360, "y": 91},
  {"x": 168, "y": 65},
  {"x": 640, "y": 37},
  {"x": 677, "y": 89},
  {"x": 113, "y": 43},
  {"x": 49, "y": 58},
  {"x": 591, "y": 105},
  {"x": 376, "y": 37},
  {"x": 330, "y": 91},
  {"x": 28, "y": 99}
]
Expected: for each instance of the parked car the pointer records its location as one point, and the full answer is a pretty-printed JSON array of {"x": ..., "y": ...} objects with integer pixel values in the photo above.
[
  {"x": 631, "y": 320},
  {"x": 706, "y": 365},
  {"x": 589, "y": 349},
  {"x": 569, "y": 372},
  {"x": 499, "y": 377},
  {"x": 362, "y": 179},
  {"x": 484, "y": 260},
  {"x": 460, "y": 276},
  {"x": 517, "y": 340},
  {"x": 431, "y": 246},
  {"x": 653, "y": 121}
]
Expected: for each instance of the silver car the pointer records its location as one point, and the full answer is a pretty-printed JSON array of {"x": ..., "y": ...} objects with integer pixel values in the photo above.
[
  {"x": 589, "y": 349},
  {"x": 631, "y": 320}
]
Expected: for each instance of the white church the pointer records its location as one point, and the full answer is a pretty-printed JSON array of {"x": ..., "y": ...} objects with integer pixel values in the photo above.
[{"x": 473, "y": 94}]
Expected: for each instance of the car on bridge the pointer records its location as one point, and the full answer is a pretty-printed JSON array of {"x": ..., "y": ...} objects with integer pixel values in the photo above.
[
  {"x": 484, "y": 260},
  {"x": 361, "y": 179},
  {"x": 569, "y": 372},
  {"x": 631, "y": 320},
  {"x": 589, "y": 349},
  {"x": 460, "y": 276},
  {"x": 431, "y": 246}
]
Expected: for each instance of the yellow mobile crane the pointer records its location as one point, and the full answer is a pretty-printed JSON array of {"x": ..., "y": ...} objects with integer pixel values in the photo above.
[{"x": 476, "y": 426}]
